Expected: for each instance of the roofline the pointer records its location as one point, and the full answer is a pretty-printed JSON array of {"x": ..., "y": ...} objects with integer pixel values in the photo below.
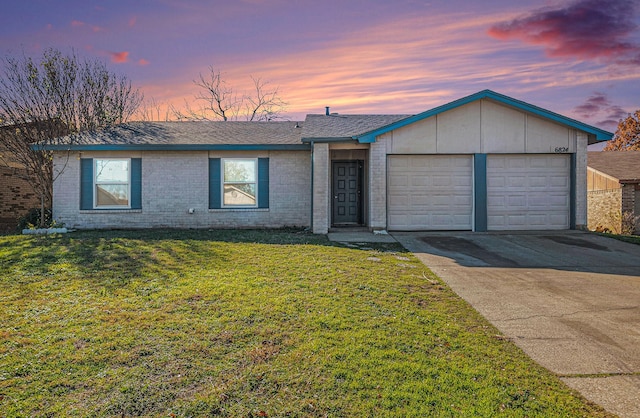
[
  {"x": 328, "y": 139},
  {"x": 600, "y": 134},
  {"x": 173, "y": 147}
]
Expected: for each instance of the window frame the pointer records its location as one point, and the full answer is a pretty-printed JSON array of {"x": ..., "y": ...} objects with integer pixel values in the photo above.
[
  {"x": 96, "y": 183},
  {"x": 255, "y": 182}
]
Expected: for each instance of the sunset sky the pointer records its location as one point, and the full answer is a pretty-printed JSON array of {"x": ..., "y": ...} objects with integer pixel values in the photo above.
[{"x": 578, "y": 58}]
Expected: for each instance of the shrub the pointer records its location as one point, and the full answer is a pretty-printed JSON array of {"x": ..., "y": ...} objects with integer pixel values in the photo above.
[
  {"x": 622, "y": 223},
  {"x": 32, "y": 219}
]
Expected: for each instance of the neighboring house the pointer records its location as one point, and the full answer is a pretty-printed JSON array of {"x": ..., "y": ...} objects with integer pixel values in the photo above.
[
  {"x": 16, "y": 194},
  {"x": 613, "y": 190},
  {"x": 483, "y": 162}
]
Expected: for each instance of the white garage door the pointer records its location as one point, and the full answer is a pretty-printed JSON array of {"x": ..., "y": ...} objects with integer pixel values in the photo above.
[
  {"x": 528, "y": 192},
  {"x": 429, "y": 192}
]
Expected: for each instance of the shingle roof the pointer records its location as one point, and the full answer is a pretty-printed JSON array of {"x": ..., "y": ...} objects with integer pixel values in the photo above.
[
  {"x": 344, "y": 126},
  {"x": 192, "y": 133},
  {"x": 622, "y": 165},
  {"x": 280, "y": 135}
]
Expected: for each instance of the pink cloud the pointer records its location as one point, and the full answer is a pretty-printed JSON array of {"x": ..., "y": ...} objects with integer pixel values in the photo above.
[
  {"x": 585, "y": 29},
  {"x": 119, "y": 57},
  {"x": 132, "y": 21},
  {"x": 143, "y": 61}
]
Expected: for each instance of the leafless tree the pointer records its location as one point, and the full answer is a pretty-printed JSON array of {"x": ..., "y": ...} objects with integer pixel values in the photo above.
[
  {"x": 152, "y": 110},
  {"x": 218, "y": 101},
  {"x": 56, "y": 95}
]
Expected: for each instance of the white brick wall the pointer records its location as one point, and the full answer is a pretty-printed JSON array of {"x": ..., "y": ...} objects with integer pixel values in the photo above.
[
  {"x": 321, "y": 201},
  {"x": 174, "y": 182},
  {"x": 378, "y": 185},
  {"x": 581, "y": 181}
]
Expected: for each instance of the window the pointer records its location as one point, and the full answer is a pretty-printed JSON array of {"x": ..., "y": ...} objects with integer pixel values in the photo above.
[
  {"x": 110, "y": 183},
  {"x": 239, "y": 182}
]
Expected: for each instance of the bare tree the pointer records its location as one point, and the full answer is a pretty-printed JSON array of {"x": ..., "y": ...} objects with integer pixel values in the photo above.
[
  {"x": 56, "y": 95},
  {"x": 627, "y": 136},
  {"x": 218, "y": 101},
  {"x": 152, "y": 110}
]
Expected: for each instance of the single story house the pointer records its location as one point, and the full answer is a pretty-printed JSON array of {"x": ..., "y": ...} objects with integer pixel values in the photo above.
[
  {"x": 613, "y": 191},
  {"x": 483, "y": 162}
]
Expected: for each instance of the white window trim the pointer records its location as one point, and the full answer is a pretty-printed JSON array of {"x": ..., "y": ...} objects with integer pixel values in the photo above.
[
  {"x": 95, "y": 183},
  {"x": 223, "y": 182}
]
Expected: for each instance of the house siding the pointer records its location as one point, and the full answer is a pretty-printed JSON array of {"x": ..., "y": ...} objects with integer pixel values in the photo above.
[
  {"x": 485, "y": 127},
  {"x": 175, "y": 182}
]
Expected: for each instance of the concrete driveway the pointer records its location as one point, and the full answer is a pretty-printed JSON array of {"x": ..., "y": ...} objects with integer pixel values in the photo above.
[{"x": 570, "y": 300}]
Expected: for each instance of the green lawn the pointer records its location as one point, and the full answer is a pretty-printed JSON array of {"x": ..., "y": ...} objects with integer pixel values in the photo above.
[
  {"x": 249, "y": 324},
  {"x": 633, "y": 239}
]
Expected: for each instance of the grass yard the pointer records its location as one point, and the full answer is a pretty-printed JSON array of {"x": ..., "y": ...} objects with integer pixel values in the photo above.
[
  {"x": 633, "y": 239},
  {"x": 249, "y": 324}
]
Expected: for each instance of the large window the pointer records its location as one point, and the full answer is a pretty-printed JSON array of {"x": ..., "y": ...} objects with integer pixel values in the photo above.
[
  {"x": 240, "y": 185},
  {"x": 112, "y": 183}
]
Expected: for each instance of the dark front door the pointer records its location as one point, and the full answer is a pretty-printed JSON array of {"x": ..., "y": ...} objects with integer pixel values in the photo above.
[{"x": 347, "y": 192}]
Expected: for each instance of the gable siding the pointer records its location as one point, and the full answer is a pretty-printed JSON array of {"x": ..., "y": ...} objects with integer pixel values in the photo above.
[{"x": 483, "y": 127}]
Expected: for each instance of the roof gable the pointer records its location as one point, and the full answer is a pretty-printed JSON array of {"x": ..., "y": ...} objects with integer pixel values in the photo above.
[{"x": 599, "y": 134}]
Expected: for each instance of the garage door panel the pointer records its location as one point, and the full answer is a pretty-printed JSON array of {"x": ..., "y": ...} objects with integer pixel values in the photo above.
[
  {"x": 528, "y": 192},
  {"x": 398, "y": 180},
  {"x": 439, "y": 190}
]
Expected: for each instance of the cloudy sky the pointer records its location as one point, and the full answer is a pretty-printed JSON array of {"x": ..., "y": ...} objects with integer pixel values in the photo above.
[{"x": 578, "y": 58}]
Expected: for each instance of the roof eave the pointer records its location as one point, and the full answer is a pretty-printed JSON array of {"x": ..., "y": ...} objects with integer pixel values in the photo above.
[
  {"x": 173, "y": 147},
  {"x": 600, "y": 134},
  {"x": 328, "y": 139}
]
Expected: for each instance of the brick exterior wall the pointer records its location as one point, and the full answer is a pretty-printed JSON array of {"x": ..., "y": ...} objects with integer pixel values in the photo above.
[
  {"x": 604, "y": 209},
  {"x": 378, "y": 184},
  {"x": 321, "y": 188},
  {"x": 581, "y": 205},
  {"x": 174, "y": 182},
  {"x": 16, "y": 197}
]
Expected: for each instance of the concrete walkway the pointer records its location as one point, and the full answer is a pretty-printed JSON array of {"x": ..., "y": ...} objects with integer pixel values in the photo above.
[
  {"x": 570, "y": 300},
  {"x": 360, "y": 236}
]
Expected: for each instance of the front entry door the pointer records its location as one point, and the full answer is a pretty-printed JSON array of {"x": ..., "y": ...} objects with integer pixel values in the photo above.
[{"x": 347, "y": 192}]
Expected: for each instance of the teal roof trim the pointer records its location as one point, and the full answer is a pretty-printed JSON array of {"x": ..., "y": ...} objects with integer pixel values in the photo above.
[
  {"x": 321, "y": 140},
  {"x": 600, "y": 134},
  {"x": 175, "y": 147}
]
